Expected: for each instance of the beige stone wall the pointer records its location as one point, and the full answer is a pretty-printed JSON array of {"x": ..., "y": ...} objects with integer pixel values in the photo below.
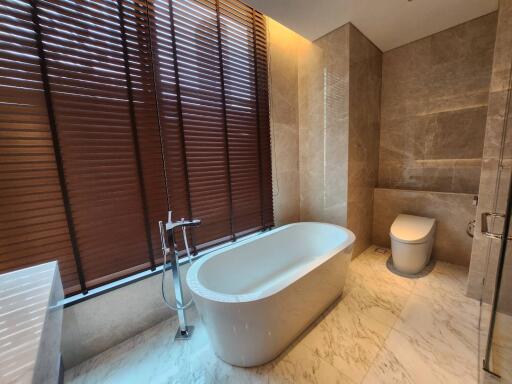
[
  {"x": 493, "y": 185},
  {"x": 433, "y": 113},
  {"x": 339, "y": 110},
  {"x": 309, "y": 123},
  {"x": 284, "y": 46},
  {"x": 451, "y": 211},
  {"x": 323, "y": 132},
  {"x": 363, "y": 140},
  {"x": 434, "y": 105},
  {"x": 95, "y": 325},
  {"x": 325, "y": 124}
]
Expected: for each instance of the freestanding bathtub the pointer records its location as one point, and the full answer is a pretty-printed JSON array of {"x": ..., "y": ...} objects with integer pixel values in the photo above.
[{"x": 256, "y": 297}]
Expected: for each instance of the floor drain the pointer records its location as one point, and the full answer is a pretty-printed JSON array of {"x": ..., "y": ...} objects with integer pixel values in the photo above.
[{"x": 381, "y": 250}]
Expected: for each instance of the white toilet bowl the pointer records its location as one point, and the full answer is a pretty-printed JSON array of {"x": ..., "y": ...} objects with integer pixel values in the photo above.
[{"x": 412, "y": 238}]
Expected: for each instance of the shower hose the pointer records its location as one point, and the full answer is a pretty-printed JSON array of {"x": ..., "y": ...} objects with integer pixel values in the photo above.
[{"x": 178, "y": 306}]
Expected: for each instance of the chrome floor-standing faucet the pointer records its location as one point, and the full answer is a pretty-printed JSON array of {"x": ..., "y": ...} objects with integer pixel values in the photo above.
[{"x": 167, "y": 237}]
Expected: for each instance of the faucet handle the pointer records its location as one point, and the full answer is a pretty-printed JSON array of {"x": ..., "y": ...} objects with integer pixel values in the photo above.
[
  {"x": 169, "y": 216},
  {"x": 163, "y": 238}
]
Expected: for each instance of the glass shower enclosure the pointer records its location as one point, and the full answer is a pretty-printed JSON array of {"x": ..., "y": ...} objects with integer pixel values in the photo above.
[{"x": 495, "y": 347}]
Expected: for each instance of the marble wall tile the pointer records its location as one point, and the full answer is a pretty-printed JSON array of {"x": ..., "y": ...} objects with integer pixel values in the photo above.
[
  {"x": 502, "y": 52},
  {"x": 434, "y": 104},
  {"x": 335, "y": 49},
  {"x": 468, "y": 179},
  {"x": 456, "y": 134},
  {"x": 452, "y": 211},
  {"x": 324, "y": 128},
  {"x": 94, "y": 325},
  {"x": 495, "y": 122},
  {"x": 339, "y": 109},
  {"x": 284, "y": 45},
  {"x": 404, "y": 84},
  {"x": 365, "y": 67}
]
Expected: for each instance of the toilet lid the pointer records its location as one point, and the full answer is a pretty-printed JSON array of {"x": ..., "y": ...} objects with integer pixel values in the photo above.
[{"x": 411, "y": 229}]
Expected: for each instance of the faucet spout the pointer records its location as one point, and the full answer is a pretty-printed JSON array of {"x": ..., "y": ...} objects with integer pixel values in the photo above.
[{"x": 170, "y": 226}]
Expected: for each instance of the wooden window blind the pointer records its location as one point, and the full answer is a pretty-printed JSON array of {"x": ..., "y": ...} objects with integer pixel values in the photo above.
[
  {"x": 33, "y": 224},
  {"x": 243, "y": 37},
  {"x": 115, "y": 111},
  {"x": 215, "y": 54}
]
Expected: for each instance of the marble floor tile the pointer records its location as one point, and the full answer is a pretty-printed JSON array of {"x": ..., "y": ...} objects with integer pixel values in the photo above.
[
  {"x": 375, "y": 291},
  {"x": 445, "y": 280},
  {"x": 384, "y": 329},
  {"x": 370, "y": 270},
  {"x": 383, "y": 306},
  {"x": 152, "y": 356},
  {"x": 348, "y": 340},
  {"x": 430, "y": 343},
  {"x": 403, "y": 361},
  {"x": 303, "y": 366},
  {"x": 225, "y": 373},
  {"x": 487, "y": 378},
  {"x": 501, "y": 351},
  {"x": 445, "y": 333}
]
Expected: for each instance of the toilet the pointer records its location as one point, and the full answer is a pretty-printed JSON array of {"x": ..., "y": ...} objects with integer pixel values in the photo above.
[{"x": 412, "y": 238}]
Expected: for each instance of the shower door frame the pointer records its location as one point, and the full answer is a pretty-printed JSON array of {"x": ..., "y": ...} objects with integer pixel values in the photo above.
[{"x": 505, "y": 239}]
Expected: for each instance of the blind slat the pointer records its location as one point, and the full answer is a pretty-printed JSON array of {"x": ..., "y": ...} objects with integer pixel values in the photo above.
[
  {"x": 114, "y": 112},
  {"x": 47, "y": 237}
]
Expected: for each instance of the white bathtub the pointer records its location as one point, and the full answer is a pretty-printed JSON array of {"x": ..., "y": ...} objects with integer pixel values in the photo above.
[{"x": 255, "y": 298}]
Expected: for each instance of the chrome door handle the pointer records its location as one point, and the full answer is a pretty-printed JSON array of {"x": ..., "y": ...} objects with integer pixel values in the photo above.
[{"x": 484, "y": 229}]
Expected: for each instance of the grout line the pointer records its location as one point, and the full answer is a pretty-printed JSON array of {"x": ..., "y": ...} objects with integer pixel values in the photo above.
[
  {"x": 359, "y": 314},
  {"x": 391, "y": 328},
  {"x": 301, "y": 345}
]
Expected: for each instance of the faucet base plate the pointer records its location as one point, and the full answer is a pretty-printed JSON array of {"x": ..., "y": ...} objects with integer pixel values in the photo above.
[{"x": 184, "y": 335}]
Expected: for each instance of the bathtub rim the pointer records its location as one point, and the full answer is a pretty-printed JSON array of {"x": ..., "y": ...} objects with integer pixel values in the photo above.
[{"x": 197, "y": 288}]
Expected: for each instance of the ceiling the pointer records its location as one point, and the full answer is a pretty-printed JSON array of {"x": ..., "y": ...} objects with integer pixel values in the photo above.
[{"x": 388, "y": 23}]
